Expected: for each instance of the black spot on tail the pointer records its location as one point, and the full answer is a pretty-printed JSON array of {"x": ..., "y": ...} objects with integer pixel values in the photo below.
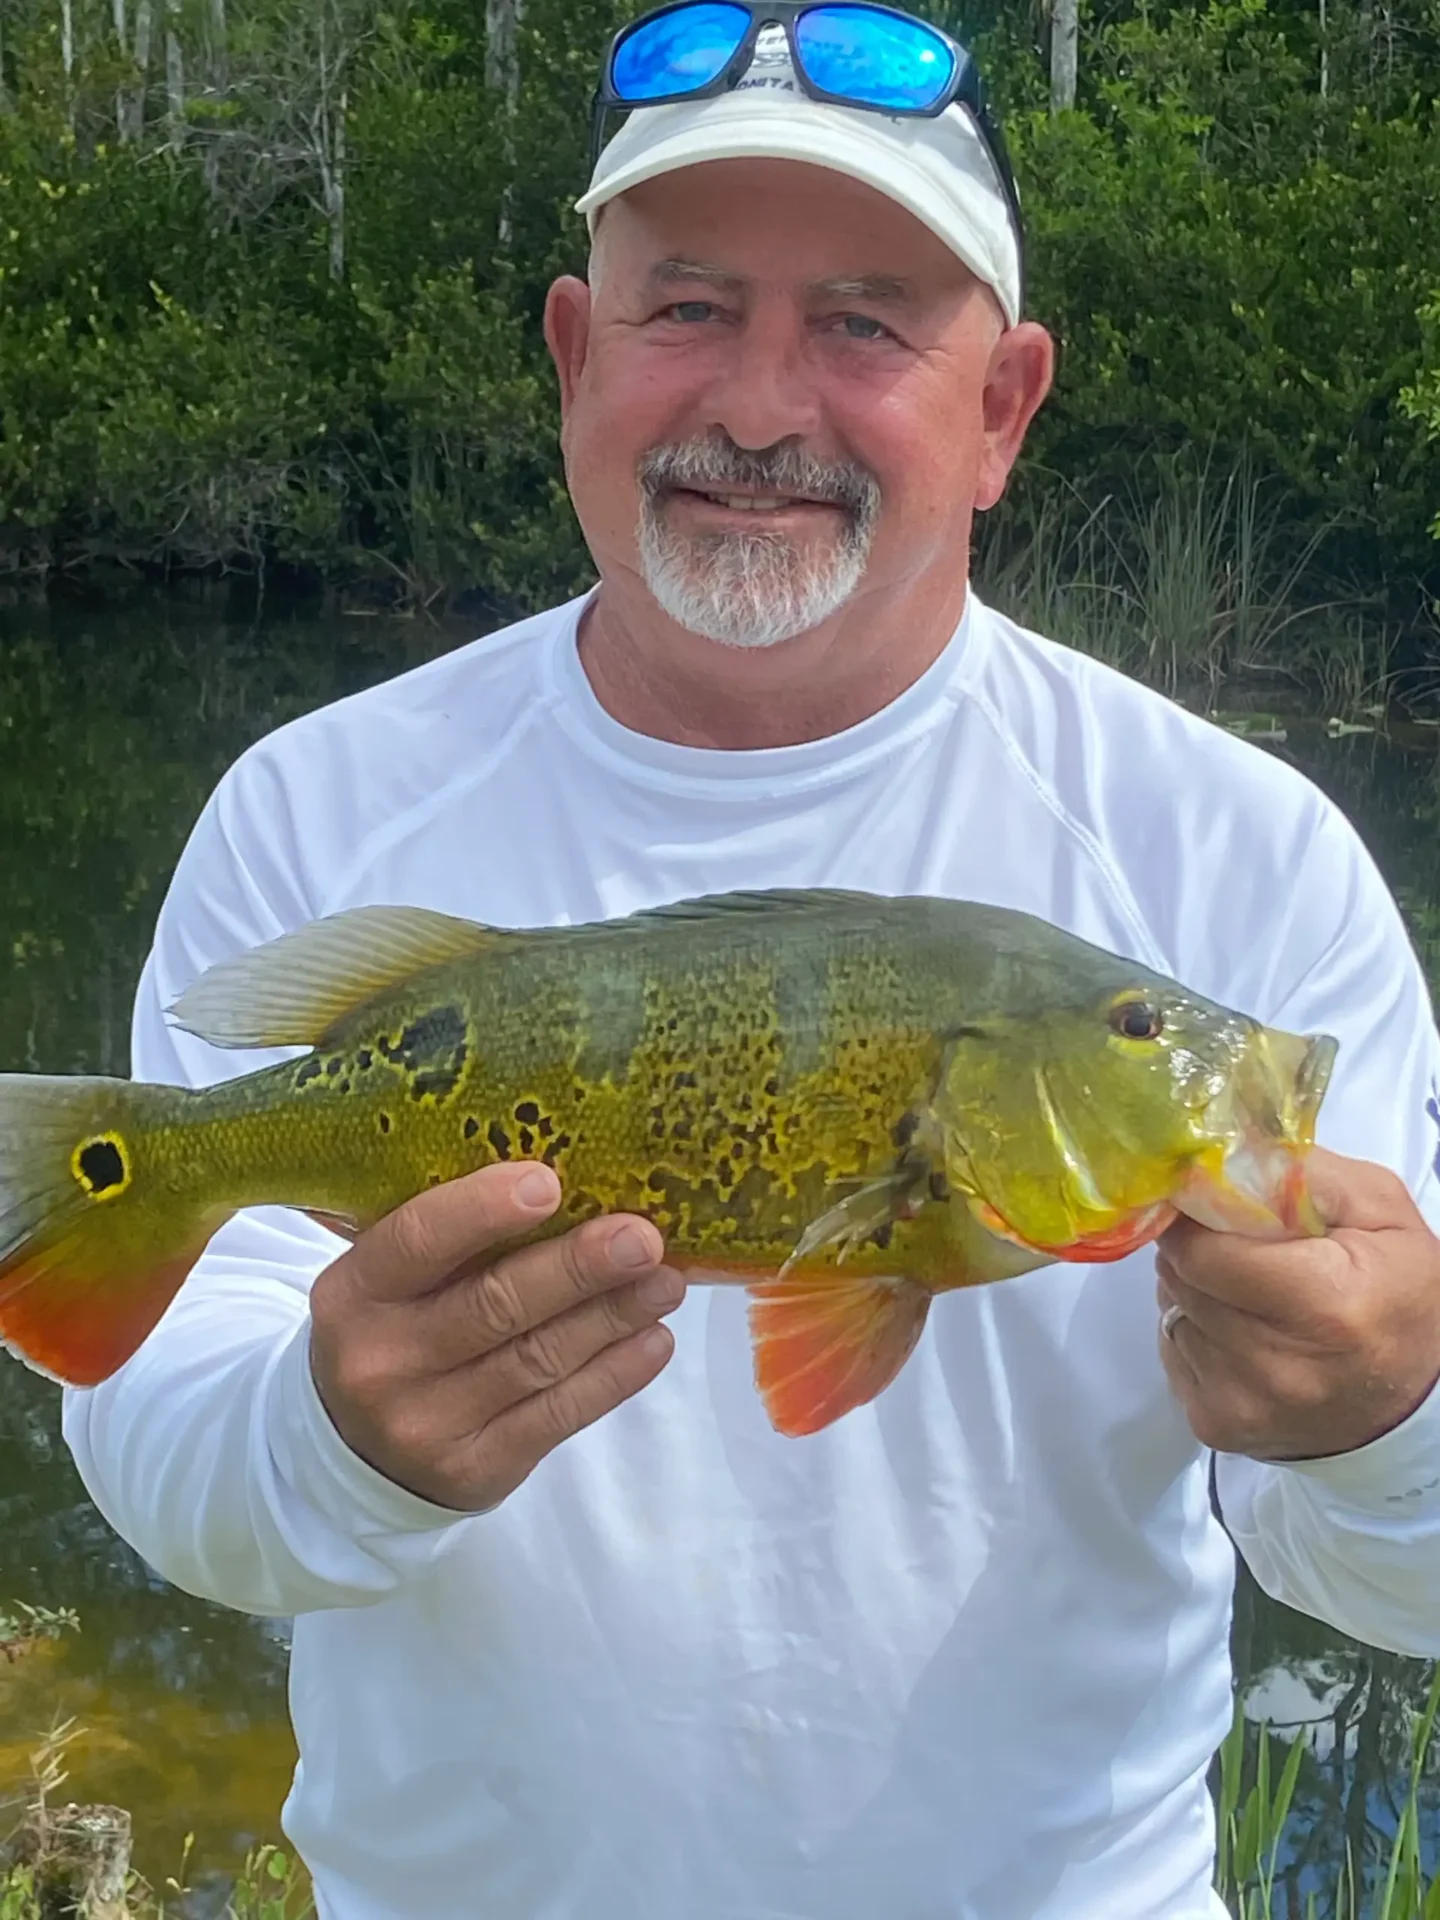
[{"x": 102, "y": 1166}]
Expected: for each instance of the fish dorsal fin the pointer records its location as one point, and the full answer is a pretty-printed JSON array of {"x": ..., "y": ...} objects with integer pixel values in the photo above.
[
  {"x": 293, "y": 991},
  {"x": 710, "y": 906}
]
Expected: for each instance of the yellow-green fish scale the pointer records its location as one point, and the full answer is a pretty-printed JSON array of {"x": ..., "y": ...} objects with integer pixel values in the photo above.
[
  {"x": 731, "y": 1076},
  {"x": 699, "y": 1098}
]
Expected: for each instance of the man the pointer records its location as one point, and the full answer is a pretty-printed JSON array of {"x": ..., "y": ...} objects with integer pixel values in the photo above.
[{"x": 576, "y": 1633}]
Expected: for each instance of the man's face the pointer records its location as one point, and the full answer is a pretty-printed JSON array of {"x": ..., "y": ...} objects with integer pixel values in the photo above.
[{"x": 780, "y": 393}]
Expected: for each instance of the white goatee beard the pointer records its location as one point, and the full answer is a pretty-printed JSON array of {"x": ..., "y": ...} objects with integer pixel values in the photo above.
[{"x": 745, "y": 589}]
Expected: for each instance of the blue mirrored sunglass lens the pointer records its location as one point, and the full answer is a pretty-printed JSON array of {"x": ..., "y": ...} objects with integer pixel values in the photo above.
[
  {"x": 874, "y": 57},
  {"x": 677, "y": 52}
]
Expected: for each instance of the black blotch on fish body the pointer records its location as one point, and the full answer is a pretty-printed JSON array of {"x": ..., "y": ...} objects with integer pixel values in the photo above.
[
  {"x": 307, "y": 1071},
  {"x": 528, "y": 1113},
  {"x": 472, "y": 1126},
  {"x": 103, "y": 1166},
  {"x": 385, "y": 1123},
  {"x": 554, "y": 1148},
  {"x": 364, "y": 1060},
  {"x": 332, "y": 1067},
  {"x": 499, "y": 1139},
  {"x": 433, "y": 1051}
]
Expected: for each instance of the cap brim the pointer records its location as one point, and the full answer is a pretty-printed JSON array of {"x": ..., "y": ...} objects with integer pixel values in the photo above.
[{"x": 892, "y": 156}]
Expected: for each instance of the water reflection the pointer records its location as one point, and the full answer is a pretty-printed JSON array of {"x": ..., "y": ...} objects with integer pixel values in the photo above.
[{"x": 116, "y": 717}]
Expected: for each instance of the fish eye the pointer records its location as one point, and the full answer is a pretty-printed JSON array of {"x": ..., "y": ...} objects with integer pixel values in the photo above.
[{"x": 1137, "y": 1020}]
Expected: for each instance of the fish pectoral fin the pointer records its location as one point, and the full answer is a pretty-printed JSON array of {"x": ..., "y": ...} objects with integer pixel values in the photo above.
[
  {"x": 826, "y": 1343},
  {"x": 344, "y": 1225},
  {"x": 851, "y": 1221},
  {"x": 293, "y": 991}
]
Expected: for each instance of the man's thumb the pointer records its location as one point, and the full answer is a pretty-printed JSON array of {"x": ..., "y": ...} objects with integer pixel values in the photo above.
[{"x": 1357, "y": 1193}]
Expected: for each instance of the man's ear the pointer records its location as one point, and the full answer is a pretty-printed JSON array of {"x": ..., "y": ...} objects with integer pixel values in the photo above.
[
  {"x": 567, "y": 334},
  {"x": 1022, "y": 368}
]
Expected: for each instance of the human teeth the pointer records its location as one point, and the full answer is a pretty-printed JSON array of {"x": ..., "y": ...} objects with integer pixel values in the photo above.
[{"x": 750, "y": 503}]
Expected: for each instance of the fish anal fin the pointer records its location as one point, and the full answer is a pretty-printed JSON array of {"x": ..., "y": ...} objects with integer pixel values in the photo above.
[
  {"x": 826, "y": 1343},
  {"x": 294, "y": 991}
]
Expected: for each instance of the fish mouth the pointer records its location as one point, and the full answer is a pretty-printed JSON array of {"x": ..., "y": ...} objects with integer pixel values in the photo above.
[{"x": 1251, "y": 1178}]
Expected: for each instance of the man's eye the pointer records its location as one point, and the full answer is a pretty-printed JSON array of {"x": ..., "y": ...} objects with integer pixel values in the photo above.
[
  {"x": 860, "y": 326},
  {"x": 691, "y": 312}
]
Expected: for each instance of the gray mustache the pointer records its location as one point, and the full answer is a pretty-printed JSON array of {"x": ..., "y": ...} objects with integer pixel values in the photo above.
[{"x": 785, "y": 468}]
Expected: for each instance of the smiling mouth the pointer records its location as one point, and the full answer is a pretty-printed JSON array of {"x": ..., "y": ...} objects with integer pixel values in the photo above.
[{"x": 756, "y": 502}]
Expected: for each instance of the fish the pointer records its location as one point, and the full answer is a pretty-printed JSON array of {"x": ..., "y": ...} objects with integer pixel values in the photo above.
[{"x": 845, "y": 1103}]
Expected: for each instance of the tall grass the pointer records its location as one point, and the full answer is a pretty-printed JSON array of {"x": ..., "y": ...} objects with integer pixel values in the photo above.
[
  {"x": 1256, "y": 1813},
  {"x": 1188, "y": 581}
]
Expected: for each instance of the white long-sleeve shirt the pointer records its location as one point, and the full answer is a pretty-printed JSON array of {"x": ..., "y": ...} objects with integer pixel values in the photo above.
[{"x": 962, "y": 1656}]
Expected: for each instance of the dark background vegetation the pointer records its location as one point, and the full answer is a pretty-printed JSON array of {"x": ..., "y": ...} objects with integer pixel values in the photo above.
[{"x": 271, "y": 273}]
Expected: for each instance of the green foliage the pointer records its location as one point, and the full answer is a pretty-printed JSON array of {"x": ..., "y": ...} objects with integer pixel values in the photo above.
[
  {"x": 1422, "y": 400},
  {"x": 282, "y": 302},
  {"x": 1232, "y": 260}
]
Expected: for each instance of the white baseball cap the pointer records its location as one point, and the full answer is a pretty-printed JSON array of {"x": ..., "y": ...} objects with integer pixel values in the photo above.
[{"x": 938, "y": 169}]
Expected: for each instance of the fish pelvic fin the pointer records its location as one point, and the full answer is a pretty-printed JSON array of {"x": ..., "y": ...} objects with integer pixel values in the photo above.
[
  {"x": 95, "y": 1241},
  {"x": 294, "y": 991},
  {"x": 826, "y": 1343}
]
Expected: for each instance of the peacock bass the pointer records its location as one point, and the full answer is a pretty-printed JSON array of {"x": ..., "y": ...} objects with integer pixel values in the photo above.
[{"x": 843, "y": 1102}]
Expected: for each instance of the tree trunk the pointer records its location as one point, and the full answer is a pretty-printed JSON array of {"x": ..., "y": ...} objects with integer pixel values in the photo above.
[
  {"x": 174, "y": 78},
  {"x": 217, "y": 80},
  {"x": 1064, "y": 53},
  {"x": 67, "y": 37},
  {"x": 335, "y": 188},
  {"x": 502, "y": 66},
  {"x": 332, "y": 103},
  {"x": 502, "y": 77},
  {"x": 135, "y": 104}
]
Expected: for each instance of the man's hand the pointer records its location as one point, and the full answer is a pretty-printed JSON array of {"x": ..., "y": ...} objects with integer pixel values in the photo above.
[
  {"x": 1292, "y": 1350},
  {"x": 454, "y": 1374}
]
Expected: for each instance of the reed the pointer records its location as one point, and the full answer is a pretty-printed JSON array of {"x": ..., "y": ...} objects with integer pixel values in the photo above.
[{"x": 1259, "y": 1818}]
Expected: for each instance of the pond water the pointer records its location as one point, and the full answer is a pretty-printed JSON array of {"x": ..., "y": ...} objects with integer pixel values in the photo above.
[{"x": 117, "y": 714}]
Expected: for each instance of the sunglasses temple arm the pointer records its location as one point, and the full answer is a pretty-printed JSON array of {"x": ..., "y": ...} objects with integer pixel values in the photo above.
[
  {"x": 999, "y": 153},
  {"x": 597, "y": 127}
]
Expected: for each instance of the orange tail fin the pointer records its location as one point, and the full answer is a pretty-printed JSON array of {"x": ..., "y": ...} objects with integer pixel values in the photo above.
[
  {"x": 826, "y": 1342},
  {"x": 95, "y": 1239}
]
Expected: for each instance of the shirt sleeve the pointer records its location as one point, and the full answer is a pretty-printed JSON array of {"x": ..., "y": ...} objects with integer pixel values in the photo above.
[
  {"x": 1355, "y": 1538},
  {"x": 210, "y": 1450}
]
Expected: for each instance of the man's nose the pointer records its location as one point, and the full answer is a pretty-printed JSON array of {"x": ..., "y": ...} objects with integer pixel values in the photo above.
[{"x": 767, "y": 390}]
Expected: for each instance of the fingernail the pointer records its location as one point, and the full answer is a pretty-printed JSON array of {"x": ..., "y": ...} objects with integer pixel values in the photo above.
[
  {"x": 660, "y": 1290},
  {"x": 538, "y": 1190},
  {"x": 656, "y": 1344},
  {"x": 631, "y": 1248}
]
